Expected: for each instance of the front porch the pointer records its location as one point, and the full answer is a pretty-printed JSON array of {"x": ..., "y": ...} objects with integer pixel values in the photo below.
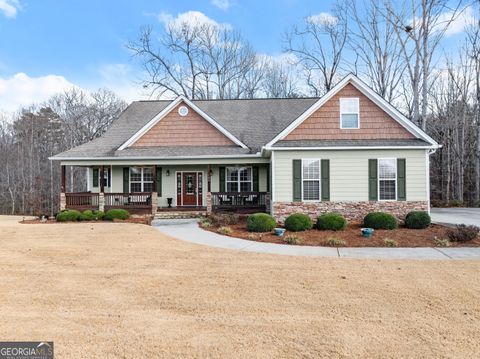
[{"x": 153, "y": 189}]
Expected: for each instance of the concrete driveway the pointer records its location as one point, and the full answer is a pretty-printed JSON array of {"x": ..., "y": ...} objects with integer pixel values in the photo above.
[{"x": 456, "y": 215}]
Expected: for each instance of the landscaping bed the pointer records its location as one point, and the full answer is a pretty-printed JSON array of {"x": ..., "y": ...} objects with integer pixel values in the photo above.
[
  {"x": 402, "y": 237},
  {"x": 133, "y": 219}
]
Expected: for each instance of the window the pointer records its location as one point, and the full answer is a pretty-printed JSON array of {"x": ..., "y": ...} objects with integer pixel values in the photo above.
[
  {"x": 141, "y": 179},
  {"x": 311, "y": 179},
  {"x": 349, "y": 113},
  {"x": 387, "y": 179},
  {"x": 239, "y": 179},
  {"x": 106, "y": 177}
]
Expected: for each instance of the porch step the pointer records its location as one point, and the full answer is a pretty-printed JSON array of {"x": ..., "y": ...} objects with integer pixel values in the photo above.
[{"x": 179, "y": 214}]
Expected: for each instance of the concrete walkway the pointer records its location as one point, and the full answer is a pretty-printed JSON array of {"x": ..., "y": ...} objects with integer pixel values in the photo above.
[
  {"x": 188, "y": 230},
  {"x": 456, "y": 216}
]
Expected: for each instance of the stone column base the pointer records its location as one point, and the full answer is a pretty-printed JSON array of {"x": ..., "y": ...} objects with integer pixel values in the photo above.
[
  {"x": 209, "y": 202},
  {"x": 63, "y": 201},
  {"x": 154, "y": 202},
  {"x": 353, "y": 211},
  {"x": 101, "y": 201}
]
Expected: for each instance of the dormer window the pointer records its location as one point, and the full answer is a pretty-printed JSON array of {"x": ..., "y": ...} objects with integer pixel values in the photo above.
[{"x": 350, "y": 113}]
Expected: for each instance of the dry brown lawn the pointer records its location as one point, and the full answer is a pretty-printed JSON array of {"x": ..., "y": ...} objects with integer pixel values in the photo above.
[{"x": 125, "y": 290}]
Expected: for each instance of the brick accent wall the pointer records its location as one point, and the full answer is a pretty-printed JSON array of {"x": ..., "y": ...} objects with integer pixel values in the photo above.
[
  {"x": 355, "y": 211},
  {"x": 190, "y": 130},
  {"x": 324, "y": 124}
]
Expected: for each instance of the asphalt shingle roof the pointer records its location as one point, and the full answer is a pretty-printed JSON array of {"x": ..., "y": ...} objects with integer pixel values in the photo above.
[{"x": 254, "y": 122}]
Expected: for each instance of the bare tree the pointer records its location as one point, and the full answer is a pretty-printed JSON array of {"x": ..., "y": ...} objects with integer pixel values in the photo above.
[
  {"x": 318, "y": 44},
  {"x": 373, "y": 41},
  {"x": 279, "y": 82},
  {"x": 419, "y": 28},
  {"x": 197, "y": 60}
]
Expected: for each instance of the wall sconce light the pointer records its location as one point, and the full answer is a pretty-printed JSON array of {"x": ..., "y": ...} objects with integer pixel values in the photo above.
[
  {"x": 168, "y": 173},
  {"x": 210, "y": 173}
]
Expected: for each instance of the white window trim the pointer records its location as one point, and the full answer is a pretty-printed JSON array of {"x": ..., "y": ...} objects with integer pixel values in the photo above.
[
  {"x": 319, "y": 180},
  {"x": 142, "y": 182},
  {"x": 350, "y": 113},
  {"x": 378, "y": 180},
  {"x": 238, "y": 177}
]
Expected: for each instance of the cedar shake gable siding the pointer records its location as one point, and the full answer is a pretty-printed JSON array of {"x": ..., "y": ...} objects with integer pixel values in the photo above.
[
  {"x": 175, "y": 130},
  {"x": 324, "y": 124}
]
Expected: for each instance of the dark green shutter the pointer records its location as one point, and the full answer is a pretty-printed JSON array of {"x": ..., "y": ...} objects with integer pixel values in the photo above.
[
  {"x": 401, "y": 182},
  {"x": 297, "y": 180},
  {"x": 325, "y": 180},
  {"x": 221, "y": 174},
  {"x": 159, "y": 181},
  {"x": 255, "y": 178},
  {"x": 95, "y": 177},
  {"x": 126, "y": 180},
  {"x": 372, "y": 180},
  {"x": 268, "y": 178}
]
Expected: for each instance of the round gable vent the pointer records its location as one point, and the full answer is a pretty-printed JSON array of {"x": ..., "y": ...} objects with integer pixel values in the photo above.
[{"x": 183, "y": 111}]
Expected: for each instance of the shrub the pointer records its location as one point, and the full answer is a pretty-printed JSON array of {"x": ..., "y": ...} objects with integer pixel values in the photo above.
[
  {"x": 298, "y": 222},
  {"x": 380, "y": 220},
  {"x": 438, "y": 203},
  {"x": 331, "y": 221},
  {"x": 335, "y": 242},
  {"x": 87, "y": 215},
  {"x": 117, "y": 214},
  {"x": 260, "y": 222},
  {"x": 224, "y": 230},
  {"x": 99, "y": 215},
  {"x": 442, "y": 242},
  {"x": 224, "y": 219},
  {"x": 292, "y": 239},
  {"x": 463, "y": 233},
  {"x": 390, "y": 242},
  {"x": 455, "y": 203},
  {"x": 417, "y": 220},
  {"x": 205, "y": 222},
  {"x": 69, "y": 215}
]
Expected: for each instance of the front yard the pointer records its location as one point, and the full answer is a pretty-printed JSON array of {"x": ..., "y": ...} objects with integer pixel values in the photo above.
[{"x": 125, "y": 290}]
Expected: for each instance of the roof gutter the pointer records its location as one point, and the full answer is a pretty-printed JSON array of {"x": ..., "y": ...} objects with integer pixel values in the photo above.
[
  {"x": 133, "y": 158},
  {"x": 349, "y": 148}
]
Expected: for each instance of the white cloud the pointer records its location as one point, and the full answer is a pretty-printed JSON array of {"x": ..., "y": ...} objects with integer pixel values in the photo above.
[
  {"x": 324, "y": 18},
  {"x": 459, "y": 24},
  {"x": 222, "y": 4},
  {"x": 121, "y": 79},
  {"x": 23, "y": 90},
  {"x": 192, "y": 19},
  {"x": 9, "y": 8}
]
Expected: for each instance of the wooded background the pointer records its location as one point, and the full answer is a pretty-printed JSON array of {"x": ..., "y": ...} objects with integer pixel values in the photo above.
[{"x": 398, "y": 49}]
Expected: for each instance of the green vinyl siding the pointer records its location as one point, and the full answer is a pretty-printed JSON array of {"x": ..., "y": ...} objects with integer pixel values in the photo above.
[{"x": 349, "y": 180}]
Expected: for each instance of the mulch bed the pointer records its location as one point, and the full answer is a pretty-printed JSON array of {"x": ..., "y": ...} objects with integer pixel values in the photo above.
[
  {"x": 404, "y": 237},
  {"x": 138, "y": 220}
]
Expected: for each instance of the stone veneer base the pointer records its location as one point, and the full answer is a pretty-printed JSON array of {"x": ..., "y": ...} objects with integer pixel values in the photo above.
[{"x": 355, "y": 211}]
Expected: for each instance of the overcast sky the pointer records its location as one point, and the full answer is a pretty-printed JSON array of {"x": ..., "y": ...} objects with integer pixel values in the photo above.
[{"x": 50, "y": 45}]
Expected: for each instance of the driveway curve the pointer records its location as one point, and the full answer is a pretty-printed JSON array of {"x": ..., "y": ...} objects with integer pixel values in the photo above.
[
  {"x": 453, "y": 216},
  {"x": 188, "y": 230}
]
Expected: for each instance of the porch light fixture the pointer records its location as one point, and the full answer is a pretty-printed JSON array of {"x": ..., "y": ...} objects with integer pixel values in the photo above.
[{"x": 168, "y": 173}]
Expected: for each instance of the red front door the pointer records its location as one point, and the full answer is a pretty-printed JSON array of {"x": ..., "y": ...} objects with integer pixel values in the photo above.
[{"x": 189, "y": 190}]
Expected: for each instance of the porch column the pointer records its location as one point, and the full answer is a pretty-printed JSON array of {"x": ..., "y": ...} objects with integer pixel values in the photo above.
[
  {"x": 154, "y": 190},
  {"x": 102, "y": 179},
  {"x": 63, "y": 199},
  {"x": 63, "y": 177},
  {"x": 209, "y": 178}
]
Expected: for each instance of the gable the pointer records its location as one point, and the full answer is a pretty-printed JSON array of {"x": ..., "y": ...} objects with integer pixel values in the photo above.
[
  {"x": 191, "y": 130},
  {"x": 324, "y": 123}
]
